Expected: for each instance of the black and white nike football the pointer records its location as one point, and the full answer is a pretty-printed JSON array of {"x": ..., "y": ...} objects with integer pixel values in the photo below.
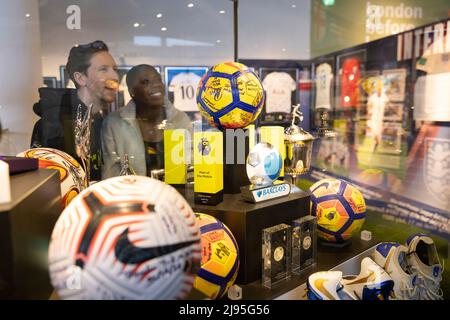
[{"x": 127, "y": 237}]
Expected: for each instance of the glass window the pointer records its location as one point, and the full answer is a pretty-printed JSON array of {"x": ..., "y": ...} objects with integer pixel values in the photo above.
[{"x": 370, "y": 79}]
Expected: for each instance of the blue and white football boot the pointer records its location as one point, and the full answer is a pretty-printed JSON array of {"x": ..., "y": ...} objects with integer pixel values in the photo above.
[
  {"x": 372, "y": 283},
  {"x": 391, "y": 257},
  {"x": 423, "y": 259},
  {"x": 326, "y": 285}
]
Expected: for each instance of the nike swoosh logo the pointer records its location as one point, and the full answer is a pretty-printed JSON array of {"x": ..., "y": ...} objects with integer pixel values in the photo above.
[
  {"x": 127, "y": 253},
  {"x": 319, "y": 283},
  {"x": 369, "y": 278}
]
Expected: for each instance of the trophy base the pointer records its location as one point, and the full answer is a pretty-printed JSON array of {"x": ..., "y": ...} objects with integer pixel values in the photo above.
[
  {"x": 210, "y": 199},
  {"x": 256, "y": 194}
]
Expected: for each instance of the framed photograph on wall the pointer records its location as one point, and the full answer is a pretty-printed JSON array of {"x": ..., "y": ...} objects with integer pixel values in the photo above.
[
  {"x": 123, "y": 96},
  {"x": 350, "y": 70},
  {"x": 181, "y": 86},
  {"x": 281, "y": 87},
  {"x": 65, "y": 81},
  {"x": 370, "y": 81},
  {"x": 391, "y": 138},
  {"x": 50, "y": 82},
  {"x": 395, "y": 83},
  {"x": 393, "y": 111}
]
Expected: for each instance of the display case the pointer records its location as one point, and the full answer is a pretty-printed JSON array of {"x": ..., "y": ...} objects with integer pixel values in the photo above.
[
  {"x": 383, "y": 143},
  {"x": 369, "y": 159}
]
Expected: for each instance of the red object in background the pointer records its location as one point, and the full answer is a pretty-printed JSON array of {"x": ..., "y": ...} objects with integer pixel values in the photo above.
[{"x": 351, "y": 72}]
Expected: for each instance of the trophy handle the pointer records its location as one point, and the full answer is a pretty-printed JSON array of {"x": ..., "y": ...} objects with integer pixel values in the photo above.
[{"x": 83, "y": 136}]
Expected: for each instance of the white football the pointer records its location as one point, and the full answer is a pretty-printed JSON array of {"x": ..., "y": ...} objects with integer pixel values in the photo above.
[
  {"x": 71, "y": 174},
  {"x": 128, "y": 237}
]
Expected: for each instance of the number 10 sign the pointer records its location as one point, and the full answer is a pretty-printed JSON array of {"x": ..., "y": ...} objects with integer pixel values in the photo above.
[{"x": 181, "y": 86}]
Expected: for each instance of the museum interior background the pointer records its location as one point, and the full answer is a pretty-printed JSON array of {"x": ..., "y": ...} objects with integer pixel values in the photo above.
[{"x": 406, "y": 177}]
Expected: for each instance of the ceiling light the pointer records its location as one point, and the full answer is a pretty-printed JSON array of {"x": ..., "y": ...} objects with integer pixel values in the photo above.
[
  {"x": 222, "y": 11},
  {"x": 328, "y": 3},
  {"x": 218, "y": 41},
  {"x": 163, "y": 29},
  {"x": 159, "y": 15},
  {"x": 294, "y": 6},
  {"x": 190, "y": 5},
  {"x": 28, "y": 15},
  {"x": 136, "y": 25}
]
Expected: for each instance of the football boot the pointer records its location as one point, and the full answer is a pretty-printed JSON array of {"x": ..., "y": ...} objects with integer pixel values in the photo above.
[
  {"x": 423, "y": 259},
  {"x": 372, "y": 283},
  {"x": 326, "y": 285},
  {"x": 391, "y": 257}
]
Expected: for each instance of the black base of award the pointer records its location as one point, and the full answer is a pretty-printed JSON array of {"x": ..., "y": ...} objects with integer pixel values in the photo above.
[
  {"x": 247, "y": 220},
  {"x": 235, "y": 152},
  {"x": 208, "y": 199},
  {"x": 338, "y": 245}
]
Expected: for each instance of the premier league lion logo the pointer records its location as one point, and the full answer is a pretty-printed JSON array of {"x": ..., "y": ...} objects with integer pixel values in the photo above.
[{"x": 204, "y": 147}]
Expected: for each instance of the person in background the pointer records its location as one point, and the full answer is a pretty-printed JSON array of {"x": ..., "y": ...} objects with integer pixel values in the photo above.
[
  {"x": 137, "y": 130},
  {"x": 94, "y": 73}
]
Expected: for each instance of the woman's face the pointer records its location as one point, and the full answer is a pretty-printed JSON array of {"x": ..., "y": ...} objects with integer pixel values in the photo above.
[{"x": 148, "y": 89}]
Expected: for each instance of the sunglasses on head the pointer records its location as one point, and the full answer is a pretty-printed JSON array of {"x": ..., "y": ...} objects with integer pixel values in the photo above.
[{"x": 99, "y": 45}]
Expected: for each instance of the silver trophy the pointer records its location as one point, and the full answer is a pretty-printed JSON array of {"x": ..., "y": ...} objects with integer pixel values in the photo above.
[
  {"x": 264, "y": 164},
  {"x": 298, "y": 144},
  {"x": 83, "y": 137},
  {"x": 126, "y": 168}
]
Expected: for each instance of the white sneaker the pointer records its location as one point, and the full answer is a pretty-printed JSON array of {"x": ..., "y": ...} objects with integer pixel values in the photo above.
[
  {"x": 424, "y": 260},
  {"x": 372, "y": 283},
  {"x": 391, "y": 257},
  {"x": 326, "y": 285}
]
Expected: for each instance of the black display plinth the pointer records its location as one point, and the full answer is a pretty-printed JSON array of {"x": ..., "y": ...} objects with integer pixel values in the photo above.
[
  {"x": 26, "y": 224},
  {"x": 247, "y": 220},
  {"x": 236, "y": 149}
]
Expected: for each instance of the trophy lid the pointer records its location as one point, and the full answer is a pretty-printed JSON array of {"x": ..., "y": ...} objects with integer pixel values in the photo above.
[{"x": 295, "y": 133}]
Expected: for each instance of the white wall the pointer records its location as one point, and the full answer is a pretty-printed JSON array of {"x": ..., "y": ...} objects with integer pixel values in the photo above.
[
  {"x": 112, "y": 21},
  {"x": 20, "y": 57},
  {"x": 265, "y": 28},
  {"x": 273, "y": 29}
]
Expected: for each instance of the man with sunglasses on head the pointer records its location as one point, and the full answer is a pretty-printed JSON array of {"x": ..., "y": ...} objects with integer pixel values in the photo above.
[{"x": 94, "y": 73}]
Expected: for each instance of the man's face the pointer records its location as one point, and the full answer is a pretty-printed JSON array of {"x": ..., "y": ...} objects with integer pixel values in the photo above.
[
  {"x": 148, "y": 89},
  {"x": 102, "y": 69}
]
